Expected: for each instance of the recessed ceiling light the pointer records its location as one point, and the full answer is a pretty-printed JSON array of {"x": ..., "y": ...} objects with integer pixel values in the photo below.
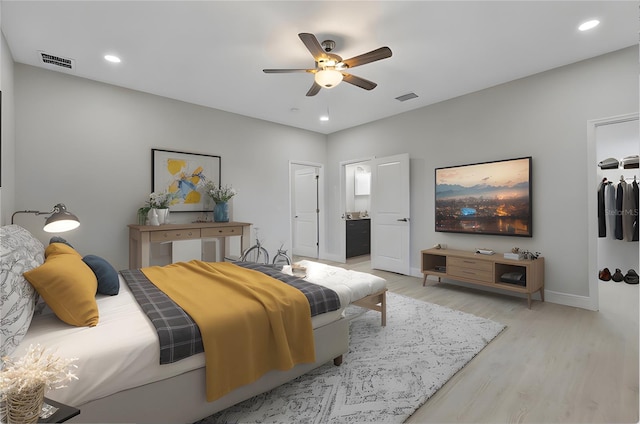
[
  {"x": 324, "y": 118},
  {"x": 112, "y": 58},
  {"x": 589, "y": 25}
]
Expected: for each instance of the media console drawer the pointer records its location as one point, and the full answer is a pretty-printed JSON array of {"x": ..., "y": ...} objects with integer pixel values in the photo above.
[
  {"x": 484, "y": 270},
  {"x": 475, "y": 274},
  {"x": 481, "y": 265}
]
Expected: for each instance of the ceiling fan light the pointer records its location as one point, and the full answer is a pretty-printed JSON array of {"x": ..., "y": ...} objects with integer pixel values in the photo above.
[{"x": 328, "y": 78}]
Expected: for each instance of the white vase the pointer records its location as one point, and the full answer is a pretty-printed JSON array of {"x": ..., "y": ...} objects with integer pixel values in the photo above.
[
  {"x": 153, "y": 217},
  {"x": 163, "y": 215}
]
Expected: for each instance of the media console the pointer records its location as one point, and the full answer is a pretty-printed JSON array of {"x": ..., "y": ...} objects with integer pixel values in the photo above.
[{"x": 485, "y": 270}]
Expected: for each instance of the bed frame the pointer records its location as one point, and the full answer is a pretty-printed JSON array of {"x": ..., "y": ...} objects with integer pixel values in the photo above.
[{"x": 182, "y": 399}]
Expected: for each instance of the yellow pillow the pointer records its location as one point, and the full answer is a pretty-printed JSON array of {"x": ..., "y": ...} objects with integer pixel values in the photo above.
[{"x": 67, "y": 284}]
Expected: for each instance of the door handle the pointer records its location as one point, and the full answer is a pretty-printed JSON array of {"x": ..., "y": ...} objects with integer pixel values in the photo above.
[{"x": 403, "y": 220}]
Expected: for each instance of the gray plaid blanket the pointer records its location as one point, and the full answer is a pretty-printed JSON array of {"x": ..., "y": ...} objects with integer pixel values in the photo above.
[
  {"x": 321, "y": 299},
  {"x": 180, "y": 336}
]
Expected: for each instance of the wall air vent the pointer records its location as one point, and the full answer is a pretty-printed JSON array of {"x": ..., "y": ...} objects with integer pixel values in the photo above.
[
  {"x": 59, "y": 61},
  {"x": 406, "y": 97}
]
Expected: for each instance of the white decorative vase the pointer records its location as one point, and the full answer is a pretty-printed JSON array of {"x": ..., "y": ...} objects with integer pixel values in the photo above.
[
  {"x": 163, "y": 215},
  {"x": 153, "y": 217}
]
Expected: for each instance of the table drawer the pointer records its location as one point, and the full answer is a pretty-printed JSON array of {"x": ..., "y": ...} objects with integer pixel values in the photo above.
[
  {"x": 470, "y": 263},
  {"x": 172, "y": 235},
  {"x": 472, "y": 273},
  {"x": 222, "y": 232}
]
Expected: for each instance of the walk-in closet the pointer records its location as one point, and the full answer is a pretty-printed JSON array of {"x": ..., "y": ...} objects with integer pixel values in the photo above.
[{"x": 617, "y": 148}]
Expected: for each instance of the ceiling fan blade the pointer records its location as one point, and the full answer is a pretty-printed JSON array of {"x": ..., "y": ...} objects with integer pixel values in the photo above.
[
  {"x": 285, "y": 71},
  {"x": 313, "y": 45},
  {"x": 359, "y": 82},
  {"x": 315, "y": 89},
  {"x": 372, "y": 56}
]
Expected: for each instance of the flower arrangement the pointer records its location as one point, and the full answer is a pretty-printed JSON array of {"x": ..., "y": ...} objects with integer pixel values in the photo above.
[
  {"x": 525, "y": 254},
  {"x": 218, "y": 194},
  {"x": 38, "y": 367},
  {"x": 161, "y": 200}
]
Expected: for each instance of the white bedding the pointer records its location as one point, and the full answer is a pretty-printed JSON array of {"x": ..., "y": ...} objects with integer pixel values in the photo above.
[
  {"x": 349, "y": 284},
  {"x": 122, "y": 352},
  {"x": 119, "y": 353}
]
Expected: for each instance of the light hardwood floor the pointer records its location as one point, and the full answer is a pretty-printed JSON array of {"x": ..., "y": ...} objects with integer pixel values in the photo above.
[{"x": 552, "y": 364}]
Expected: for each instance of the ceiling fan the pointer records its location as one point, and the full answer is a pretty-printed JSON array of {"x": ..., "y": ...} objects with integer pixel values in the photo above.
[{"x": 330, "y": 69}]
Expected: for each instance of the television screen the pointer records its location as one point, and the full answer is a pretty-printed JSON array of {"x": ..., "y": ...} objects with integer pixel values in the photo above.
[{"x": 485, "y": 198}]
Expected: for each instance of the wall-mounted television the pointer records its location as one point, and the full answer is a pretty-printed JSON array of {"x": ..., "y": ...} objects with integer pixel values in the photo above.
[{"x": 485, "y": 198}]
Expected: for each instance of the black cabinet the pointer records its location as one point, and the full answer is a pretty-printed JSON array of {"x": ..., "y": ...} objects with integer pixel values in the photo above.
[{"x": 358, "y": 237}]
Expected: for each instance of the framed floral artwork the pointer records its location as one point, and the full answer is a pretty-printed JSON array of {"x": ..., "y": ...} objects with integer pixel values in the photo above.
[{"x": 182, "y": 174}]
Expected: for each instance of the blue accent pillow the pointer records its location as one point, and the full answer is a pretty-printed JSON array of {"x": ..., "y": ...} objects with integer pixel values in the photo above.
[
  {"x": 108, "y": 282},
  {"x": 58, "y": 239}
]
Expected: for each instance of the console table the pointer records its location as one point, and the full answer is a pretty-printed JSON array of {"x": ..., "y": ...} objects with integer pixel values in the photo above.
[
  {"x": 141, "y": 236},
  {"x": 484, "y": 270}
]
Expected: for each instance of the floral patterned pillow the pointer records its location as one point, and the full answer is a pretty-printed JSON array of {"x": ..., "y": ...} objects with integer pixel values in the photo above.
[{"x": 20, "y": 252}]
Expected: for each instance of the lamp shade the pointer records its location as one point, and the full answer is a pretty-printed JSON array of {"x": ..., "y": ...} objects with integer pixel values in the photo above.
[
  {"x": 328, "y": 78},
  {"x": 61, "y": 220}
]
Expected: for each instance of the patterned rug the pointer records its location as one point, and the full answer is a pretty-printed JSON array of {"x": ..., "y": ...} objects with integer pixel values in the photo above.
[{"x": 388, "y": 373}]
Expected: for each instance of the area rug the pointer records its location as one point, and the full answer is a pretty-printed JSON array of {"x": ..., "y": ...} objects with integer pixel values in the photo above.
[{"x": 388, "y": 373}]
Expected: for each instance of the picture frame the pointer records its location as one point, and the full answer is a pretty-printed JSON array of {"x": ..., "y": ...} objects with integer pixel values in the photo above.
[{"x": 180, "y": 173}]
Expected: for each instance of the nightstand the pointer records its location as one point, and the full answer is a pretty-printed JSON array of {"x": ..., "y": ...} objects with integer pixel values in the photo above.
[{"x": 64, "y": 412}]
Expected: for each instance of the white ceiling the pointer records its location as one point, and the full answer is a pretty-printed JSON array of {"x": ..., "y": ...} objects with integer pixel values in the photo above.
[{"x": 212, "y": 53}]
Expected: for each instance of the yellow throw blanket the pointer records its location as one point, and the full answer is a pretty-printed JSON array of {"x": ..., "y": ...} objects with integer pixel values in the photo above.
[{"x": 250, "y": 323}]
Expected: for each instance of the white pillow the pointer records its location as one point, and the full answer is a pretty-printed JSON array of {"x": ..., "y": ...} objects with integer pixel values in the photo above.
[{"x": 20, "y": 252}]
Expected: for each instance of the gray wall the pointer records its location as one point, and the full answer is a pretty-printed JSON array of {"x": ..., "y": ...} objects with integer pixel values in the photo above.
[
  {"x": 543, "y": 116},
  {"x": 7, "y": 191},
  {"x": 88, "y": 145}
]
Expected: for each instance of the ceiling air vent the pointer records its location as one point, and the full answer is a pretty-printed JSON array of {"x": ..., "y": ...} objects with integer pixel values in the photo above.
[
  {"x": 406, "y": 97},
  {"x": 59, "y": 61}
]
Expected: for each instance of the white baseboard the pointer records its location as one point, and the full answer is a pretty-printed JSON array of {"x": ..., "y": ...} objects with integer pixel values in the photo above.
[
  {"x": 567, "y": 299},
  {"x": 559, "y": 298},
  {"x": 416, "y": 272}
]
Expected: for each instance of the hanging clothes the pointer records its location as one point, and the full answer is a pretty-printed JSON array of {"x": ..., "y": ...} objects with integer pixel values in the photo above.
[
  {"x": 610, "y": 210},
  {"x": 619, "y": 198},
  {"x": 602, "y": 226},
  {"x": 634, "y": 186},
  {"x": 628, "y": 211}
]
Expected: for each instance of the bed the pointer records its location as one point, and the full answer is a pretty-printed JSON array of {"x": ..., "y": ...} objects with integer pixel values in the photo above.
[{"x": 120, "y": 376}]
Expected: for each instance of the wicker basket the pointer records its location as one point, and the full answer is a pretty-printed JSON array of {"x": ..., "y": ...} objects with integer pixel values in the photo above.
[
  {"x": 3, "y": 409},
  {"x": 24, "y": 407}
]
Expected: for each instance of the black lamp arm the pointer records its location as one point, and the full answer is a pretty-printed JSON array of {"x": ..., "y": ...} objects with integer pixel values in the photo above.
[{"x": 55, "y": 208}]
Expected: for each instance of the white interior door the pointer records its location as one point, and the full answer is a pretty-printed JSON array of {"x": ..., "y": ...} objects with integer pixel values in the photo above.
[
  {"x": 390, "y": 206},
  {"x": 305, "y": 212}
]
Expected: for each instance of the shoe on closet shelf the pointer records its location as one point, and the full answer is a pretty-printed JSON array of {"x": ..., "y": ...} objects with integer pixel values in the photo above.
[
  {"x": 617, "y": 276},
  {"x": 604, "y": 275},
  {"x": 631, "y": 277}
]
